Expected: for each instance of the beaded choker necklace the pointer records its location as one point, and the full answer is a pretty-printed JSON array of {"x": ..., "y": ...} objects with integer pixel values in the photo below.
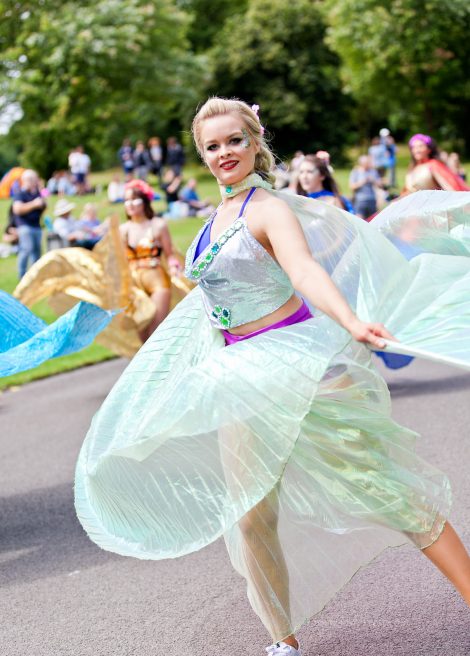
[{"x": 252, "y": 180}]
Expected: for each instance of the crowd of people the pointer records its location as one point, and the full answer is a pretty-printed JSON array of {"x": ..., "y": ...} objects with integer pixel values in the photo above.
[
  {"x": 372, "y": 181},
  {"x": 140, "y": 160},
  {"x": 312, "y": 175}
]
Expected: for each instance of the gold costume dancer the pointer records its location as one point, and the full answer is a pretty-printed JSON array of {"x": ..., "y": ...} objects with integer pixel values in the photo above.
[{"x": 106, "y": 277}]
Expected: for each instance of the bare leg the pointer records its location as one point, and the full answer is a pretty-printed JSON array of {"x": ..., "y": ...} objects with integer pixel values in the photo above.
[
  {"x": 450, "y": 556},
  {"x": 162, "y": 299},
  {"x": 264, "y": 566}
]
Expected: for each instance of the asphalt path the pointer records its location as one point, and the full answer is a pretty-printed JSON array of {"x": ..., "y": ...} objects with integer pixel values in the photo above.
[{"x": 61, "y": 595}]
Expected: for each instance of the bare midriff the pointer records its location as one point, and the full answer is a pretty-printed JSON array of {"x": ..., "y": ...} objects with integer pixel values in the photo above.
[{"x": 291, "y": 306}]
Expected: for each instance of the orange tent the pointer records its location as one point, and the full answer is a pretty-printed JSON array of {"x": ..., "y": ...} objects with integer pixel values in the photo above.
[{"x": 8, "y": 179}]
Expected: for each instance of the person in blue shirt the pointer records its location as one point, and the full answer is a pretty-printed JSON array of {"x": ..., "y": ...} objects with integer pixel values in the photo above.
[
  {"x": 28, "y": 206},
  {"x": 316, "y": 181},
  {"x": 364, "y": 180},
  {"x": 189, "y": 195}
]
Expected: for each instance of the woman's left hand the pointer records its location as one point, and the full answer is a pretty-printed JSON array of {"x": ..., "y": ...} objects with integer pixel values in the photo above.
[{"x": 370, "y": 333}]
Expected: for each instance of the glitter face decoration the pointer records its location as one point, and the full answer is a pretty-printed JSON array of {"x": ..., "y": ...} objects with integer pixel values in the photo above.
[{"x": 246, "y": 138}]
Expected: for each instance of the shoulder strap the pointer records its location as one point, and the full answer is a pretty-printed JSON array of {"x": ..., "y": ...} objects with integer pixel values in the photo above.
[{"x": 245, "y": 202}]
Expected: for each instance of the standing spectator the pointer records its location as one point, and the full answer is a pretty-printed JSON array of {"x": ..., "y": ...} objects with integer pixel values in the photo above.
[
  {"x": 141, "y": 161},
  {"x": 297, "y": 161},
  {"x": 364, "y": 181},
  {"x": 453, "y": 162},
  {"x": 79, "y": 164},
  {"x": 389, "y": 142},
  {"x": 171, "y": 185},
  {"x": 28, "y": 205},
  {"x": 175, "y": 157},
  {"x": 126, "y": 157},
  {"x": 379, "y": 156},
  {"x": 325, "y": 156},
  {"x": 156, "y": 156}
]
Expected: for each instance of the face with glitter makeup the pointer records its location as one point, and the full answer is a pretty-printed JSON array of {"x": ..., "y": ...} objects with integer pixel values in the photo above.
[{"x": 228, "y": 149}]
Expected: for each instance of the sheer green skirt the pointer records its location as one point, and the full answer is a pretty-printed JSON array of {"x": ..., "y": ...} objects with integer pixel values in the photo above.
[{"x": 282, "y": 443}]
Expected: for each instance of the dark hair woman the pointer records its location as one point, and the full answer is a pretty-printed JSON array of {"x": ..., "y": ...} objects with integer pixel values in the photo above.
[
  {"x": 146, "y": 238},
  {"x": 316, "y": 181},
  {"x": 427, "y": 171}
]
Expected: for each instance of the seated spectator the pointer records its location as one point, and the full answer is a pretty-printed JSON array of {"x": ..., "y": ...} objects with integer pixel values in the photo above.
[
  {"x": 89, "y": 230},
  {"x": 64, "y": 225},
  {"x": 189, "y": 195},
  {"x": 52, "y": 183},
  {"x": 65, "y": 185},
  {"x": 116, "y": 190},
  {"x": 10, "y": 236},
  {"x": 171, "y": 186},
  {"x": 364, "y": 181}
]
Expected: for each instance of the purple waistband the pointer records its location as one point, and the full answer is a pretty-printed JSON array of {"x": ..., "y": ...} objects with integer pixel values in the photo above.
[{"x": 302, "y": 314}]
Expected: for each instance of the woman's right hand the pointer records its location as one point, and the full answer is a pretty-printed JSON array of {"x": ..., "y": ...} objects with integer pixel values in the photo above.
[{"x": 370, "y": 333}]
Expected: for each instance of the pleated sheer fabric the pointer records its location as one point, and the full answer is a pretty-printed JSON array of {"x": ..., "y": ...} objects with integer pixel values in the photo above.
[
  {"x": 282, "y": 443},
  {"x": 26, "y": 340}
]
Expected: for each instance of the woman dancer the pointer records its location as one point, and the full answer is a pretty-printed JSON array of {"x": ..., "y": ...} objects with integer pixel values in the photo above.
[
  {"x": 316, "y": 181},
  {"x": 136, "y": 281},
  {"x": 146, "y": 238},
  {"x": 263, "y": 423},
  {"x": 426, "y": 171}
]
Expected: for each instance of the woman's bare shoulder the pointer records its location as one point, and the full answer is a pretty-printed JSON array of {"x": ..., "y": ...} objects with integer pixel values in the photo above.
[
  {"x": 270, "y": 206},
  {"x": 158, "y": 222}
]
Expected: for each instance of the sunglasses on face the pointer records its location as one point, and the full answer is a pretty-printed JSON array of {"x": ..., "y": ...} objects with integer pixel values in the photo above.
[{"x": 133, "y": 202}]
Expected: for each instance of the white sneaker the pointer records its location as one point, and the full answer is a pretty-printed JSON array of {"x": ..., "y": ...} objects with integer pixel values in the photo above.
[{"x": 281, "y": 649}]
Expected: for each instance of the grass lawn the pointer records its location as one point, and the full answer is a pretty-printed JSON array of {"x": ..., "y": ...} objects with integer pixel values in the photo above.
[{"x": 182, "y": 232}]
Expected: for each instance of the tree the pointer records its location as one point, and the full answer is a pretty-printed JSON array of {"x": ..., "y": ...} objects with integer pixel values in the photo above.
[
  {"x": 207, "y": 19},
  {"x": 406, "y": 60},
  {"x": 93, "y": 72},
  {"x": 274, "y": 55}
]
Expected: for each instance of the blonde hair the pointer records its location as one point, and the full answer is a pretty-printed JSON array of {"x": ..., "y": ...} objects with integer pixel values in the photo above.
[{"x": 264, "y": 160}]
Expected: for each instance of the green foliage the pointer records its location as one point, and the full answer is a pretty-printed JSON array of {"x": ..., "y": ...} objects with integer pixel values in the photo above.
[
  {"x": 407, "y": 60},
  {"x": 274, "y": 55},
  {"x": 94, "y": 71},
  {"x": 208, "y": 18}
]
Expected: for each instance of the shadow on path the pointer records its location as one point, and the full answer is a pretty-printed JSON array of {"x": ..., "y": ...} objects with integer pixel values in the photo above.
[
  {"x": 419, "y": 387},
  {"x": 41, "y": 537}
]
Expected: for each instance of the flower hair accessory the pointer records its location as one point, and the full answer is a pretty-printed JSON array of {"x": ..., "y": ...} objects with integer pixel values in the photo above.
[
  {"x": 141, "y": 186},
  {"x": 420, "y": 137},
  {"x": 255, "y": 109}
]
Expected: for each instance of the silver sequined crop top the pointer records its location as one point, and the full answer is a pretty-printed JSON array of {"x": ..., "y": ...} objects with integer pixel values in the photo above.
[{"x": 239, "y": 280}]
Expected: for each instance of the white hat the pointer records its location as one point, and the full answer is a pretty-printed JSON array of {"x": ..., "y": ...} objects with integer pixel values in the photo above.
[
  {"x": 63, "y": 206},
  {"x": 384, "y": 132}
]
